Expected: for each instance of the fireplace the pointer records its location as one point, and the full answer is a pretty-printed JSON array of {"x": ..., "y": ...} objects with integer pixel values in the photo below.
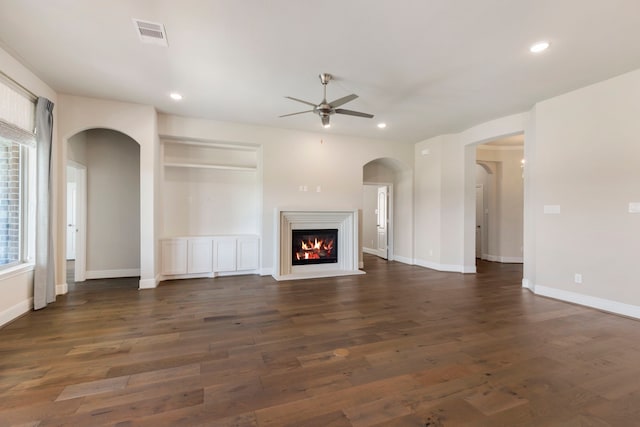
[
  {"x": 307, "y": 226},
  {"x": 318, "y": 246}
]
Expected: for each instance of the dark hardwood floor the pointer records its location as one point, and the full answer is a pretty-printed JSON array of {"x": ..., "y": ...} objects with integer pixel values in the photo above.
[{"x": 399, "y": 346}]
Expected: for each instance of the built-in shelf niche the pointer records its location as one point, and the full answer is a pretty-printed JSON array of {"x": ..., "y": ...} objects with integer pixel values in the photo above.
[
  {"x": 210, "y": 187},
  {"x": 194, "y": 153}
]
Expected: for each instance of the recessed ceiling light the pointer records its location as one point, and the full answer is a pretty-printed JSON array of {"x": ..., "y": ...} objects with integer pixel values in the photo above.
[
  {"x": 382, "y": 125},
  {"x": 539, "y": 47},
  {"x": 176, "y": 96},
  {"x": 327, "y": 126}
]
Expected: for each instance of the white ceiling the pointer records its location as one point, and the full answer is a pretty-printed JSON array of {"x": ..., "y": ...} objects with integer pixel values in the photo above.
[{"x": 425, "y": 67}]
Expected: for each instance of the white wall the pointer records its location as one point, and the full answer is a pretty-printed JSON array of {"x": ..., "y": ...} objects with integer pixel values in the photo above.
[
  {"x": 445, "y": 194},
  {"x": 16, "y": 289},
  {"x": 369, "y": 216},
  {"x": 113, "y": 204},
  {"x": 427, "y": 207},
  {"x": 291, "y": 159},
  {"x": 77, "y": 148},
  {"x": 586, "y": 160}
]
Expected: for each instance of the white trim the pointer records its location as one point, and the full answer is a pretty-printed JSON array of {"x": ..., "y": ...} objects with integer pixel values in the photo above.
[
  {"x": 361, "y": 264},
  {"x": 469, "y": 269},
  {"x": 266, "y": 271},
  {"x": 452, "y": 268},
  {"x": 62, "y": 288},
  {"x": 112, "y": 274},
  {"x": 15, "y": 311},
  {"x": 403, "y": 260},
  {"x": 370, "y": 251},
  {"x": 319, "y": 274},
  {"x": 527, "y": 284},
  {"x": 148, "y": 283},
  {"x": 503, "y": 259},
  {"x": 16, "y": 270},
  {"x": 589, "y": 301},
  {"x": 209, "y": 275},
  {"x": 501, "y": 147}
]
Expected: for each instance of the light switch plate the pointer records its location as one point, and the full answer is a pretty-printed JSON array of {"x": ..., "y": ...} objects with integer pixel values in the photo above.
[{"x": 634, "y": 207}]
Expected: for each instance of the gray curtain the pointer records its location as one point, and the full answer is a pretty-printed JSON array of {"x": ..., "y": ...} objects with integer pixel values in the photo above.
[{"x": 44, "y": 288}]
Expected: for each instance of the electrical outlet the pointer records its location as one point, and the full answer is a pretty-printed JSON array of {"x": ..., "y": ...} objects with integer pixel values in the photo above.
[{"x": 577, "y": 278}]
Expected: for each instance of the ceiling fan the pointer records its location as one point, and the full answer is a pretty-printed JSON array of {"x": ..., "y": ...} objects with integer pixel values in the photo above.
[{"x": 326, "y": 109}]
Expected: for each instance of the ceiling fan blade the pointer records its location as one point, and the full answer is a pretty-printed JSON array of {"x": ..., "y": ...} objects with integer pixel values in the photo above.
[
  {"x": 299, "y": 112},
  {"x": 341, "y": 101},
  {"x": 353, "y": 113},
  {"x": 300, "y": 100}
]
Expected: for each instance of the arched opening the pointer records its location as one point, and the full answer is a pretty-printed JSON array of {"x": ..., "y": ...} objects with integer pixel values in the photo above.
[
  {"x": 382, "y": 179},
  {"x": 103, "y": 186},
  {"x": 494, "y": 173}
]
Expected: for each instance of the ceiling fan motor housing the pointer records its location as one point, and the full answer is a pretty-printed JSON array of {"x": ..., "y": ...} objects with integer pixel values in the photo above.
[{"x": 324, "y": 109}]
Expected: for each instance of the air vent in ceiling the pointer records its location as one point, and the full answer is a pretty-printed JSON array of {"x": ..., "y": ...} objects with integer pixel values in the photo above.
[{"x": 151, "y": 32}]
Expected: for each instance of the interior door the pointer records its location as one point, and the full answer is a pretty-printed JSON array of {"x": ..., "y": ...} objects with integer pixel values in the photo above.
[
  {"x": 383, "y": 221},
  {"x": 71, "y": 220}
]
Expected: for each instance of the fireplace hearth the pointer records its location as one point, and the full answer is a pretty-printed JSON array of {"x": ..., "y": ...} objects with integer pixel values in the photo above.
[{"x": 319, "y": 246}]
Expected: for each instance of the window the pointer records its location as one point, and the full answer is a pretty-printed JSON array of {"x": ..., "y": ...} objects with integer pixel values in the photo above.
[{"x": 17, "y": 170}]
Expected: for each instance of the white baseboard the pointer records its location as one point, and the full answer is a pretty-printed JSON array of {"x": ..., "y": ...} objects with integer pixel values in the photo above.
[
  {"x": 208, "y": 275},
  {"x": 370, "y": 251},
  {"x": 361, "y": 264},
  {"x": 112, "y": 274},
  {"x": 469, "y": 269},
  {"x": 15, "y": 311},
  {"x": 503, "y": 259},
  {"x": 527, "y": 284},
  {"x": 235, "y": 273},
  {"x": 403, "y": 260},
  {"x": 445, "y": 267},
  {"x": 148, "y": 283},
  {"x": 512, "y": 259},
  {"x": 589, "y": 301},
  {"x": 266, "y": 271},
  {"x": 62, "y": 289}
]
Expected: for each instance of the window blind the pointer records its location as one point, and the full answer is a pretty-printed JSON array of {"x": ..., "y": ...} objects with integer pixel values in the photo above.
[{"x": 17, "y": 113}]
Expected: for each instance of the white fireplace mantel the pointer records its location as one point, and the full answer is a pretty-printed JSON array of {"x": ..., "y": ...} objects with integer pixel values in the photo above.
[{"x": 345, "y": 221}]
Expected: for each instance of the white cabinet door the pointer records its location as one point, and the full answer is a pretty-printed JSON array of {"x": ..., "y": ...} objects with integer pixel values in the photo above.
[
  {"x": 174, "y": 256},
  {"x": 247, "y": 254},
  {"x": 224, "y": 254},
  {"x": 200, "y": 259}
]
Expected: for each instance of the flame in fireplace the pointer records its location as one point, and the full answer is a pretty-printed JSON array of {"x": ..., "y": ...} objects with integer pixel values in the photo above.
[{"x": 315, "y": 249}]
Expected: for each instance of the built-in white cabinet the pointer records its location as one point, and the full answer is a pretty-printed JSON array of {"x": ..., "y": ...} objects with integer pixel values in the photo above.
[
  {"x": 199, "y": 255},
  {"x": 224, "y": 254},
  {"x": 247, "y": 251},
  {"x": 209, "y": 255},
  {"x": 174, "y": 256}
]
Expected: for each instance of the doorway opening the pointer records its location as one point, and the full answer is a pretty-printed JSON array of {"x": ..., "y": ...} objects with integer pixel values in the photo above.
[
  {"x": 376, "y": 221},
  {"x": 76, "y": 221},
  {"x": 500, "y": 200},
  {"x": 103, "y": 205}
]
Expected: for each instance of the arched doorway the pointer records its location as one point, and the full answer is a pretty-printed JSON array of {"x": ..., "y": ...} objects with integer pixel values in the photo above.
[
  {"x": 108, "y": 224},
  {"x": 383, "y": 180}
]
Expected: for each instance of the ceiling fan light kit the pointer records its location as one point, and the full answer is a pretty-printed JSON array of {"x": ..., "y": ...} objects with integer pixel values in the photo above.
[{"x": 326, "y": 109}]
